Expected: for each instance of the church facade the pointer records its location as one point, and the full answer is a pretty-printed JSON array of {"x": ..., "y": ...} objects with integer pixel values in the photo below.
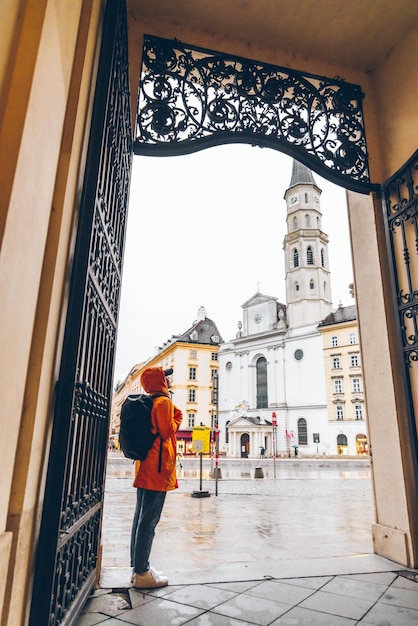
[{"x": 273, "y": 388}]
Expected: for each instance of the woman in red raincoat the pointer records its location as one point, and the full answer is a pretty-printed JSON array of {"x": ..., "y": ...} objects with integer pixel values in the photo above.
[{"x": 153, "y": 478}]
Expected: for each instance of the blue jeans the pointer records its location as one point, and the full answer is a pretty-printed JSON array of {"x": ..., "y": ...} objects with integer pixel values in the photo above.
[{"x": 149, "y": 505}]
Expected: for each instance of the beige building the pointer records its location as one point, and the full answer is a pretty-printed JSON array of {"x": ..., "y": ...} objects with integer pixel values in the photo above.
[
  {"x": 193, "y": 356},
  {"x": 347, "y": 432},
  {"x": 70, "y": 74}
]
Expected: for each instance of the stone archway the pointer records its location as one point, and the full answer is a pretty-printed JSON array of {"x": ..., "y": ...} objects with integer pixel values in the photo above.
[{"x": 316, "y": 120}]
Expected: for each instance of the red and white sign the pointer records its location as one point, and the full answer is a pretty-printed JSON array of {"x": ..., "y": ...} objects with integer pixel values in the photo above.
[{"x": 274, "y": 419}]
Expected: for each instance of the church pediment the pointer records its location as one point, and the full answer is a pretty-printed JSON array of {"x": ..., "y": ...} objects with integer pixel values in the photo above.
[
  {"x": 242, "y": 423},
  {"x": 258, "y": 298}
]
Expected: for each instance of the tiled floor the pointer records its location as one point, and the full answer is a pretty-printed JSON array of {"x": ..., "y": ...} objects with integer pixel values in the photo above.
[
  {"x": 291, "y": 551},
  {"x": 381, "y": 599}
]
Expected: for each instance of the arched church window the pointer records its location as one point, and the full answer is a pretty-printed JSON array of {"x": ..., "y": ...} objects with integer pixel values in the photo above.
[
  {"x": 309, "y": 256},
  {"x": 312, "y": 285},
  {"x": 295, "y": 258},
  {"x": 297, "y": 286},
  {"x": 261, "y": 381},
  {"x": 322, "y": 257},
  {"x": 302, "y": 432},
  {"x": 306, "y": 198},
  {"x": 307, "y": 221}
]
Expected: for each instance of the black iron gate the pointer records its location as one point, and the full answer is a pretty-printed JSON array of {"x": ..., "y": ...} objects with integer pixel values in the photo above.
[
  {"x": 401, "y": 208},
  {"x": 68, "y": 546}
]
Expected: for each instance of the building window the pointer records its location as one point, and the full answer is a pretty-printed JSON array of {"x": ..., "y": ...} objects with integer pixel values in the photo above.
[
  {"x": 309, "y": 255},
  {"x": 302, "y": 432},
  {"x": 190, "y": 420},
  {"x": 227, "y": 431},
  {"x": 296, "y": 286},
  {"x": 192, "y": 395},
  {"x": 192, "y": 373},
  {"x": 295, "y": 223},
  {"x": 322, "y": 257},
  {"x": 193, "y": 354},
  {"x": 312, "y": 285},
  {"x": 334, "y": 341},
  {"x": 356, "y": 386},
  {"x": 228, "y": 366},
  {"x": 352, "y": 338},
  {"x": 339, "y": 412},
  {"x": 261, "y": 369},
  {"x": 336, "y": 363},
  {"x": 214, "y": 356},
  {"x": 338, "y": 385},
  {"x": 354, "y": 360},
  {"x": 307, "y": 221},
  {"x": 358, "y": 411},
  {"x": 295, "y": 258}
]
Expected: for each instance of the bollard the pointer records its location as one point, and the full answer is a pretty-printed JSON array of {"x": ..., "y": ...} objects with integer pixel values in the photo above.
[
  {"x": 217, "y": 472},
  {"x": 259, "y": 472}
]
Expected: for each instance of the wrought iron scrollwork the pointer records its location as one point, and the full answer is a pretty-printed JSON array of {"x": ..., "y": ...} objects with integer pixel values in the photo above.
[
  {"x": 191, "y": 98},
  {"x": 401, "y": 198}
]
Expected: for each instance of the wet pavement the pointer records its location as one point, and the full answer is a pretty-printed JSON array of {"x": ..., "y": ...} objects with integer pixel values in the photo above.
[{"x": 292, "y": 547}]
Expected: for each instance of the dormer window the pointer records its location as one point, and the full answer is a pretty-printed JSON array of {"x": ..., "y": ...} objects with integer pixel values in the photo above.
[
  {"x": 215, "y": 338},
  {"x": 194, "y": 335}
]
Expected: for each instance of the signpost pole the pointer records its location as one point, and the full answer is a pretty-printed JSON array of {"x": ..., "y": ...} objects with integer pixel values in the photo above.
[{"x": 274, "y": 424}]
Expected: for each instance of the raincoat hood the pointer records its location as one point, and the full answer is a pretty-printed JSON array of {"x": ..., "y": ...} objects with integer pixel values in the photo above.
[{"x": 153, "y": 380}]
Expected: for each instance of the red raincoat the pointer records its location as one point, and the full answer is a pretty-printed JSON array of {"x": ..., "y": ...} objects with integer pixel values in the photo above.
[{"x": 165, "y": 420}]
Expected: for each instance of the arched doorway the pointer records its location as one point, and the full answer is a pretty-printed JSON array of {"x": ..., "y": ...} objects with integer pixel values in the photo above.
[
  {"x": 244, "y": 445},
  {"x": 74, "y": 490},
  {"x": 342, "y": 444},
  {"x": 362, "y": 444}
]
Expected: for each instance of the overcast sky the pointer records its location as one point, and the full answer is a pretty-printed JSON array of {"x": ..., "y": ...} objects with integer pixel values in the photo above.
[{"x": 207, "y": 229}]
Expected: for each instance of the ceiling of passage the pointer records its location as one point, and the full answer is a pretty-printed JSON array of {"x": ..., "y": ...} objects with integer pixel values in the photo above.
[{"x": 354, "y": 33}]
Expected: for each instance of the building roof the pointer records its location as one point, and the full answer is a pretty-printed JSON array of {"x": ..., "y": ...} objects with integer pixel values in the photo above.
[
  {"x": 203, "y": 331},
  {"x": 342, "y": 314}
]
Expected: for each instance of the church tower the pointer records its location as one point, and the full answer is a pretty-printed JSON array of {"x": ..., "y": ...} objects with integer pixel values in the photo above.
[{"x": 308, "y": 280}]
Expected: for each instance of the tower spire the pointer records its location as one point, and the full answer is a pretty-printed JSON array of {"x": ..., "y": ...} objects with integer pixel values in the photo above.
[
  {"x": 308, "y": 284},
  {"x": 301, "y": 175}
]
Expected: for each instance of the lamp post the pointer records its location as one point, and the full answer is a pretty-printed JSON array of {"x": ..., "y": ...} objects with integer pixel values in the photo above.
[{"x": 274, "y": 424}]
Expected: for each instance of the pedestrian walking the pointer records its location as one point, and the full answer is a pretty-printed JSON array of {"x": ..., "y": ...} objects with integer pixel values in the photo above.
[{"x": 154, "y": 477}]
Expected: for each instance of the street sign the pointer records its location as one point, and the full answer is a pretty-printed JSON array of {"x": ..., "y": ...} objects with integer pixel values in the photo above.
[
  {"x": 274, "y": 419},
  {"x": 201, "y": 439}
]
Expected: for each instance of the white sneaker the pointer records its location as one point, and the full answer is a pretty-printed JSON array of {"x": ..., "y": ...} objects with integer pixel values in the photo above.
[{"x": 149, "y": 580}]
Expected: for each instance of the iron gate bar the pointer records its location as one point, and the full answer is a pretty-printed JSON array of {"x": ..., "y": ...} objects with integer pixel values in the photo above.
[
  {"x": 68, "y": 545},
  {"x": 191, "y": 98}
]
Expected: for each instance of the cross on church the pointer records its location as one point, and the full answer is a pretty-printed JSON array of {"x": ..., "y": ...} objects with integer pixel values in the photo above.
[{"x": 258, "y": 286}]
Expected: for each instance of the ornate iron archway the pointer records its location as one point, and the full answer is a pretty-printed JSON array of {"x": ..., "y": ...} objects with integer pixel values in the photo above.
[{"x": 191, "y": 98}]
